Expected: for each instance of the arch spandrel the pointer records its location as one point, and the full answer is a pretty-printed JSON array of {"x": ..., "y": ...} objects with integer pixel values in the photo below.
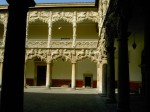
[
  {"x": 38, "y": 15},
  {"x": 67, "y": 54},
  {"x": 36, "y": 53},
  {"x": 87, "y": 15},
  {"x": 66, "y": 16}
]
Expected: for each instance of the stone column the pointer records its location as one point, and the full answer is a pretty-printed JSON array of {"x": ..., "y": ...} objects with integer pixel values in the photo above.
[
  {"x": 110, "y": 35},
  {"x": 49, "y": 30},
  {"x": 74, "y": 30},
  {"x": 25, "y": 67},
  {"x": 123, "y": 74},
  {"x": 104, "y": 77},
  {"x": 110, "y": 73},
  {"x": 99, "y": 77},
  {"x": 147, "y": 61},
  {"x": 13, "y": 67},
  {"x": 48, "y": 75},
  {"x": 73, "y": 77},
  {"x": 1, "y": 69}
]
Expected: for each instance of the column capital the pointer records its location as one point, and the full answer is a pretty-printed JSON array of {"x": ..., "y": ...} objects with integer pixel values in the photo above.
[{"x": 104, "y": 60}]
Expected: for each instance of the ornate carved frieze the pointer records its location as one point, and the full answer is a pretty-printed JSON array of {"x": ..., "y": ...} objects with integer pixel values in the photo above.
[
  {"x": 42, "y": 15},
  {"x": 71, "y": 55},
  {"x": 1, "y": 55},
  {"x": 87, "y": 15},
  {"x": 65, "y": 15},
  {"x": 36, "y": 53}
]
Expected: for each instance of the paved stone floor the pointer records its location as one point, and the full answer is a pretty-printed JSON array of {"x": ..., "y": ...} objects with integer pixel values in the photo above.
[{"x": 68, "y": 100}]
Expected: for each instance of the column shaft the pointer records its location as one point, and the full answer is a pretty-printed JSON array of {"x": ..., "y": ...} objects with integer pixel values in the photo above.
[
  {"x": 110, "y": 74},
  {"x": 123, "y": 74},
  {"x": 25, "y": 67},
  {"x": 147, "y": 62},
  {"x": 104, "y": 79},
  {"x": 73, "y": 79},
  {"x": 12, "y": 91},
  {"x": 99, "y": 77},
  {"x": 48, "y": 75},
  {"x": 1, "y": 69}
]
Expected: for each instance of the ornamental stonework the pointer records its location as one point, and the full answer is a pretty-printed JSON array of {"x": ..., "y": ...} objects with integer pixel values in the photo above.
[
  {"x": 1, "y": 55},
  {"x": 72, "y": 55},
  {"x": 36, "y": 44},
  {"x": 3, "y": 18},
  {"x": 66, "y": 15}
]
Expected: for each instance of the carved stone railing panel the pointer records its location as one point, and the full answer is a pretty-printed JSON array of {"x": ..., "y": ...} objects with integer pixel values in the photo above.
[
  {"x": 36, "y": 44},
  {"x": 61, "y": 44},
  {"x": 86, "y": 44}
]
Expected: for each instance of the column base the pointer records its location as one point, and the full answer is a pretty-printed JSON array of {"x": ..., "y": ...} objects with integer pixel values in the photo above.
[
  {"x": 48, "y": 87},
  {"x": 73, "y": 88}
]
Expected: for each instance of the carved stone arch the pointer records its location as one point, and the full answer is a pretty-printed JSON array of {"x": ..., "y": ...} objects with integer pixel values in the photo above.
[
  {"x": 89, "y": 26},
  {"x": 38, "y": 57},
  {"x": 36, "y": 53},
  {"x": 41, "y": 28},
  {"x": 87, "y": 21},
  {"x": 37, "y": 19},
  {"x": 64, "y": 58},
  {"x": 61, "y": 19},
  {"x": 59, "y": 29},
  {"x": 90, "y": 15}
]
